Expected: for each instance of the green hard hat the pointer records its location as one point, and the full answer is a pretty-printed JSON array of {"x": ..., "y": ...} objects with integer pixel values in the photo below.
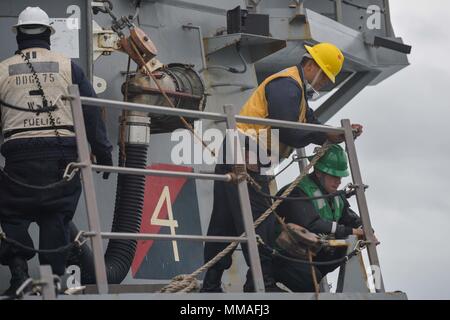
[{"x": 333, "y": 162}]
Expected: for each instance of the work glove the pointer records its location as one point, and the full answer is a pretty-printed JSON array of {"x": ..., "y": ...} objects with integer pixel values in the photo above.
[{"x": 104, "y": 160}]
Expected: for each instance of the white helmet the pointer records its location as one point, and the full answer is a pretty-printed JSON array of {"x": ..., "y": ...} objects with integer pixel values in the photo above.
[{"x": 33, "y": 16}]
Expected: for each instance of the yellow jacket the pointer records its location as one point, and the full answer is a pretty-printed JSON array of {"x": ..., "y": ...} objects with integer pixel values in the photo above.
[{"x": 256, "y": 106}]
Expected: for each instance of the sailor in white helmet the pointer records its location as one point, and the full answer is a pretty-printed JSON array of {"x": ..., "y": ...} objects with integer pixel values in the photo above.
[{"x": 39, "y": 142}]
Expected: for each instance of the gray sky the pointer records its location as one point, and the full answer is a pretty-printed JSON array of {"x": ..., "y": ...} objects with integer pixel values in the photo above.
[{"x": 404, "y": 154}]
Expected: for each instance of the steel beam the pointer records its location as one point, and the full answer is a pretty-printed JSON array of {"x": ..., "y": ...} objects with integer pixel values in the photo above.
[
  {"x": 48, "y": 282},
  {"x": 205, "y": 115},
  {"x": 89, "y": 190},
  {"x": 151, "y": 236},
  {"x": 151, "y": 109},
  {"x": 289, "y": 124},
  {"x": 362, "y": 202},
  {"x": 246, "y": 210},
  {"x": 90, "y": 49},
  {"x": 339, "y": 13},
  {"x": 164, "y": 173},
  {"x": 344, "y": 94}
]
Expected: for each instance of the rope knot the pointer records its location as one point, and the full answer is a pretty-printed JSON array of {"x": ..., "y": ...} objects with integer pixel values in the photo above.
[{"x": 181, "y": 283}]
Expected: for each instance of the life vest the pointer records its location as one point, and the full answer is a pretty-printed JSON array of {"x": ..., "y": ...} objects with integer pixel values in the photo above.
[
  {"x": 257, "y": 106},
  {"x": 310, "y": 188},
  {"x": 19, "y": 88}
]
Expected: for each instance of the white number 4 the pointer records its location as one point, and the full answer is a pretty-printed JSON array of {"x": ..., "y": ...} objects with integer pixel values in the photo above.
[{"x": 170, "y": 222}]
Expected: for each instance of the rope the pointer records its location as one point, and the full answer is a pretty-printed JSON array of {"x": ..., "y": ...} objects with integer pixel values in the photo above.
[
  {"x": 19, "y": 245},
  {"x": 187, "y": 283},
  {"x": 45, "y": 102},
  {"x": 68, "y": 176}
]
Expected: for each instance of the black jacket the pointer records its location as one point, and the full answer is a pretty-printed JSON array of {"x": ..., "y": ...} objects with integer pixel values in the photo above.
[{"x": 304, "y": 214}]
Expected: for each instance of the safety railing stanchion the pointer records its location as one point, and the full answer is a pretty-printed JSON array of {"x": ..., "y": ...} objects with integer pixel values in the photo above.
[
  {"x": 89, "y": 190},
  {"x": 362, "y": 204},
  {"x": 301, "y": 152},
  {"x": 246, "y": 210}
]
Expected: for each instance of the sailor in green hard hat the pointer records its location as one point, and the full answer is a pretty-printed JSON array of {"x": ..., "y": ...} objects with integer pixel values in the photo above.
[{"x": 330, "y": 215}]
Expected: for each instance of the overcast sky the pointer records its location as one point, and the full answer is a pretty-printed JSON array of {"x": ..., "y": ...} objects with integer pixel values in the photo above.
[{"x": 404, "y": 154}]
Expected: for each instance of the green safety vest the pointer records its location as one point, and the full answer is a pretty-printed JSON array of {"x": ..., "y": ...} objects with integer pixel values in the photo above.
[{"x": 310, "y": 188}]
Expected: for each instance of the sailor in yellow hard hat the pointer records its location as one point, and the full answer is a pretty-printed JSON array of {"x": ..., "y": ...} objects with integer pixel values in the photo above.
[
  {"x": 282, "y": 96},
  {"x": 330, "y": 61}
]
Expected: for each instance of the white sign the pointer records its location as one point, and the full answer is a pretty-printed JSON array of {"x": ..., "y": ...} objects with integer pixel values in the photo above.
[{"x": 66, "y": 38}]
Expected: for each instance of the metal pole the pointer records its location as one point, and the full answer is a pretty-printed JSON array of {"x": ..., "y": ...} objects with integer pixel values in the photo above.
[
  {"x": 153, "y": 109},
  {"x": 206, "y": 115},
  {"x": 289, "y": 124},
  {"x": 156, "y": 236},
  {"x": 48, "y": 285},
  {"x": 202, "y": 46},
  {"x": 387, "y": 20},
  {"x": 164, "y": 173},
  {"x": 338, "y": 7},
  {"x": 302, "y": 163},
  {"x": 90, "y": 49},
  {"x": 246, "y": 210},
  {"x": 89, "y": 190},
  {"x": 361, "y": 200}
]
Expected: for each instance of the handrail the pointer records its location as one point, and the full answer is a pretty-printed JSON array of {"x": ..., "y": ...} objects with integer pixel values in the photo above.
[
  {"x": 205, "y": 115},
  {"x": 157, "y": 236},
  {"x": 165, "y": 173},
  {"x": 92, "y": 211}
]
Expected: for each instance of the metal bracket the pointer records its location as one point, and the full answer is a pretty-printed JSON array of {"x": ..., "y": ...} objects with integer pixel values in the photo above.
[
  {"x": 254, "y": 47},
  {"x": 48, "y": 283},
  {"x": 299, "y": 14},
  {"x": 99, "y": 85},
  {"x": 69, "y": 174},
  {"x": 104, "y": 41},
  {"x": 352, "y": 275},
  {"x": 77, "y": 240}
]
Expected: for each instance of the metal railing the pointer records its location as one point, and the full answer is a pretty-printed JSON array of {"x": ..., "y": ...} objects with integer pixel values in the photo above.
[{"x": 86, "y": 167}]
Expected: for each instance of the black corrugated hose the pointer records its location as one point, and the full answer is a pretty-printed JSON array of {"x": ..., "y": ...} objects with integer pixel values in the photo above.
[{"x": 127, "y": 218}]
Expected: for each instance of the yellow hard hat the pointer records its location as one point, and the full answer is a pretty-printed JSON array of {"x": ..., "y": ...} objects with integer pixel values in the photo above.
[{"x": 328, "y": 57}]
